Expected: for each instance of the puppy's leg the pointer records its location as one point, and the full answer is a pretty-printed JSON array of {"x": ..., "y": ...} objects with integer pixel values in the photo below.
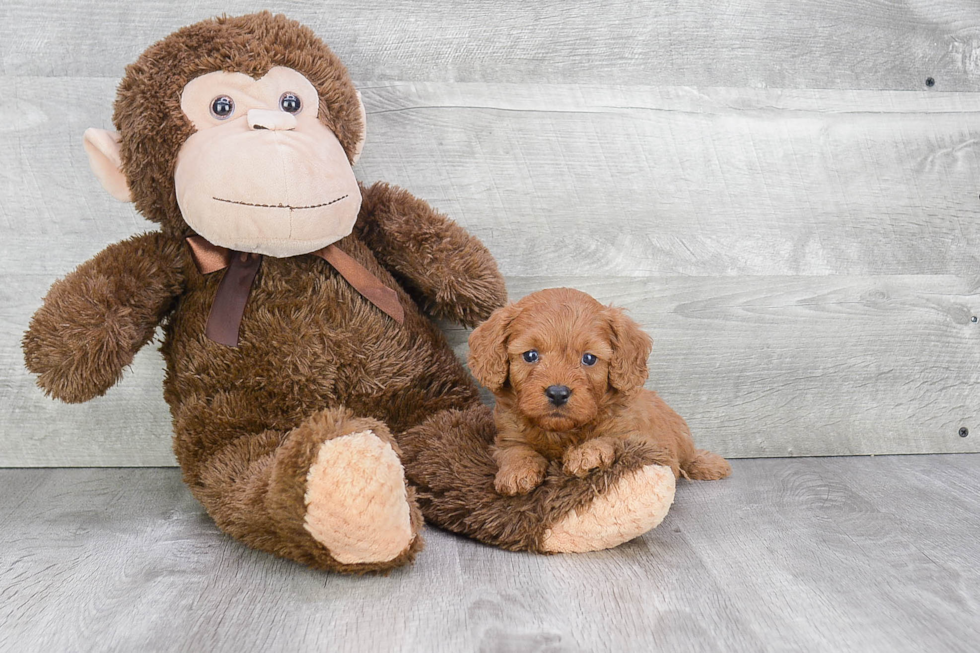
[
  {"x": 668, "y": 429},
  {"x": 707, "y": 466},
  {"x": 521, "y": 469},
  {"x": 597, "y": 453}
]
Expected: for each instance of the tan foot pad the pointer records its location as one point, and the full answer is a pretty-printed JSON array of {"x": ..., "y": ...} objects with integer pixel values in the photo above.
[
  {"x": 637, "y": 503},
  {"x": 356, "y": 503}
]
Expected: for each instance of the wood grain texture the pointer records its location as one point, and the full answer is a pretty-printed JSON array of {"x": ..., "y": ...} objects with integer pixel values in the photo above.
[
  {"x": 849, "y": 554},
  {"x": 867, "y": 44},
  {"x": 620, "y": 181},
  {"x": 631, "y": 181},
  {"x": 760, "y": 366},
  {"x": 808, "y": 261}
]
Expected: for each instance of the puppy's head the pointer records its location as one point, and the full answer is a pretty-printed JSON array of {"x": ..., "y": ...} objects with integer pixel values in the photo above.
[{"x": 560, "y": 353}]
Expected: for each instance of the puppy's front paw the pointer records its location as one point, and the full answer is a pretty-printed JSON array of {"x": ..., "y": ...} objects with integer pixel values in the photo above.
[
  {"x": 592, "y": 454},
  {"x": 521, "y": 477}
]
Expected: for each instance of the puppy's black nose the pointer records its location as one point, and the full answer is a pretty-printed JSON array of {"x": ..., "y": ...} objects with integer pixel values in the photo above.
[{"x": 558, "y": 394}]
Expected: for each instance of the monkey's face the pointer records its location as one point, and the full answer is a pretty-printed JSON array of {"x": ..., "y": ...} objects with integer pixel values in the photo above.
[{"x": 261, "y": 173}]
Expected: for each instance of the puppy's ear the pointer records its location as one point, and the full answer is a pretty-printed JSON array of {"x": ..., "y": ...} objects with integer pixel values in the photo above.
[
  {"x": 631, "y": 348},
  {"x": 488, "y": 349}
]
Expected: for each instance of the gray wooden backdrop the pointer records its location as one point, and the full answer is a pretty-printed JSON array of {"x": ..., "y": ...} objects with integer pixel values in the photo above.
[{"x": 771, "y": 187}]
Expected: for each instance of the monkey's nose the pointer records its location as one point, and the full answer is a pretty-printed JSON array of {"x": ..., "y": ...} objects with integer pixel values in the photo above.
[
  {"x": 558, "y": 394},
  {"x": 274, "y": 120}
]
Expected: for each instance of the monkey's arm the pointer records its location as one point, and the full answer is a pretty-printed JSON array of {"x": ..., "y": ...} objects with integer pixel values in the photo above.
[
  {"x": 93, "y": 321},
  {"x": 448, "y": 271}
]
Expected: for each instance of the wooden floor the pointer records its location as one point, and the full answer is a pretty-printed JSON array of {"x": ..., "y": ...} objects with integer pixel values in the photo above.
[{"x": 832, "y": 554}]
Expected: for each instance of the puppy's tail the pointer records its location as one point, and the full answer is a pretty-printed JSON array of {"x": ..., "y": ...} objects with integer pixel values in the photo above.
[{"x": 707, "y": 466}]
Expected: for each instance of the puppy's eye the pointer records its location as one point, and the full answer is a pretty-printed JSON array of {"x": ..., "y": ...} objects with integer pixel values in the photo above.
[
  {"x": 589, "y": 360},
  {"x": 530, "y": 356}
]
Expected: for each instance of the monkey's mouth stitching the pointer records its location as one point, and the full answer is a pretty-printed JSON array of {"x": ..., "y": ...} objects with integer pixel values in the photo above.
[{"x": 281, "y": 206}]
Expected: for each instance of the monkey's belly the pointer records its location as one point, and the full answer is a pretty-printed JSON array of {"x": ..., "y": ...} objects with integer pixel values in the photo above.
[{"x": 300, "y": 352}]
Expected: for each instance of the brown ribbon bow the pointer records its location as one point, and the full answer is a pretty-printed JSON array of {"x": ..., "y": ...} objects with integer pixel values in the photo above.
[{"x": 232, "y": 295}]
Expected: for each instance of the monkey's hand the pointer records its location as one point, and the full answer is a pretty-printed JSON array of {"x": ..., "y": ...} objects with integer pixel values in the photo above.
[
  {"x": 94, "y": 320},
  {"x": 449, "y": 272}
]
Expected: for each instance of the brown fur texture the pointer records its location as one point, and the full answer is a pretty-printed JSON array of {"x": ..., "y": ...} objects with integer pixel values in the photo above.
[
  {"x": 597, "y": 355},
  {"x": 153, "y": 128},
  {"x": 316, "y": 360},
  {"x": 93, "y": 322},
  {"x": 450, "y": 461}
]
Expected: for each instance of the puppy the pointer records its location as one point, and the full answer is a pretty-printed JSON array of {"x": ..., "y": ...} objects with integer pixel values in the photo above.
[{"x": 568, "y": 375}]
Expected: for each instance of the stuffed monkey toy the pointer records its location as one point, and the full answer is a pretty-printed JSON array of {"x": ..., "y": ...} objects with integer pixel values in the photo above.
[{"x": 318, "y": 412}]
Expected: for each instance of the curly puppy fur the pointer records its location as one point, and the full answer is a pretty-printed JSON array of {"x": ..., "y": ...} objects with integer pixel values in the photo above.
[
  {"x": 316, "y": 361},
  {"x": 568, "y": 376}
]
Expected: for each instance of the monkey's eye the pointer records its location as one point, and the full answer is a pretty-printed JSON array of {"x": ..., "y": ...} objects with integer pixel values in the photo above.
[
  {"x": 530, "y": 356},
  {"x": 222, "y": 107},
  {"x": 589, "y": 360},
  {"x": 289, "y": 102}
]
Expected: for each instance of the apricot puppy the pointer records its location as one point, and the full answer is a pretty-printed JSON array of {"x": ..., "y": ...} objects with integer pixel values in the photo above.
[{"x": 568, "y": 376}]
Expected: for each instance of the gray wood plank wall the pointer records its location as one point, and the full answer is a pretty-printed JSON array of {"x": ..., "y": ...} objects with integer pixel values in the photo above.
[{"x": 770, "y": 187}]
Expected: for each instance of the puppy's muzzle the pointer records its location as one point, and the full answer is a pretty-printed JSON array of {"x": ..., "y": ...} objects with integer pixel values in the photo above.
[{"x": 558, "y": 394}]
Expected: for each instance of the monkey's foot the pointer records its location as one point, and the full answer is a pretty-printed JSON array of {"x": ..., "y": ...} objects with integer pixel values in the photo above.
[
  {"x": 357, "y": 504},
  {"x": 637, "y": 503}
]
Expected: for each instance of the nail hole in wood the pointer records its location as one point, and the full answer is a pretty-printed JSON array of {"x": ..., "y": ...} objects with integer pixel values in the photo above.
[
  {"x": 930, "y": 82},
  {"x": 964, "y": 431}
]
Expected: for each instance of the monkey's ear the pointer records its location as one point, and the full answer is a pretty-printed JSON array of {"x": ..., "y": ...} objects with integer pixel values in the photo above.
[
  {"x": 102, "y": 148},
  {"x": 360, "y": 144}
]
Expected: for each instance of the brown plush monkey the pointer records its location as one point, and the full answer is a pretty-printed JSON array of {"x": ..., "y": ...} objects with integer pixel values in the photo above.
[{"x": 304, "y": 376}]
